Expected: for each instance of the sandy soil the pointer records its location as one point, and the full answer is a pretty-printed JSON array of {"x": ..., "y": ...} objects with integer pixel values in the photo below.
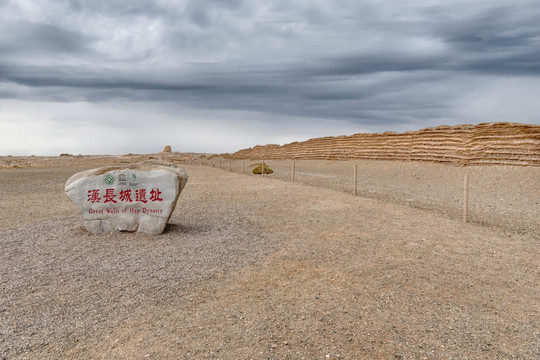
[
  {"x": 261, "y": 268},
  {"x": 503, "y": 196}
]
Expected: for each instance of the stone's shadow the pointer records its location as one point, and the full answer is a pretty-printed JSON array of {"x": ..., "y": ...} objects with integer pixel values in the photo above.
[
  {"x": 185, "y": 228},
  {"x": 174, "y": 228},
  {"x": 169, "y": 229}
]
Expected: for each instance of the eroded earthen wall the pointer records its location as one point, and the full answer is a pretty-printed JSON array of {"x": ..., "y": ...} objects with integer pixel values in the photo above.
[{"x": 489, "y": 143}]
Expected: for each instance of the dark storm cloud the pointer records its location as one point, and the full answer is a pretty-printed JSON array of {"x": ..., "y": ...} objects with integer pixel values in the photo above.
[
  {"x": 499, "y": 28},
  {"x": 368, "y": 63},
  {"x": 25, "y": 38},
  {"x": 359, "y": 65},
  {"x": 525, "y": 62},
  {"x": 69, "y": 78}
]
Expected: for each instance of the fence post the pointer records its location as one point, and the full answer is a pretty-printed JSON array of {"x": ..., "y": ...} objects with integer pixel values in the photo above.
[
  {"x": 465, "y": 198},
  {"x": 242, "y": 167},
  {"x": 230, "y": 161},
  {"x": 355, "y": 178},
  {"x": 293, "y": 170},
  {"x": 262, "y": 168}
]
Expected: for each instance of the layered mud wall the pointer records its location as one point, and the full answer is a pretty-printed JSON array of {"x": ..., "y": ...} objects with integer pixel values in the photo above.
[{"x": 483, "y": 144}]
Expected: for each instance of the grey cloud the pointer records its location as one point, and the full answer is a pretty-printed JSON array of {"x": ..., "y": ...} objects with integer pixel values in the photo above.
[
  {"x": 223, "y": 4},
  {"x": 121, "y": 8},
  {"x": 272, "y": 91},
  {"x": 70, "y": 78},
  {"x": 500, "y": 28},
  {"x": 525, "y": 64},
  {"x": 362, "y": 64},
  {"x": 478, "y": 43},
  {"x": 200, "y": 17},
  {"x": 197, "y": 11},
  {"x": 203, "y": 12},
  {"x": 334, "y": 80},
  {"x": 29, "y": 38}
]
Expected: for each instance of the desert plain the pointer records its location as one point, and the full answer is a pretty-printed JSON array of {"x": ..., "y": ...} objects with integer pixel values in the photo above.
[{"x": 263, "y": 268}]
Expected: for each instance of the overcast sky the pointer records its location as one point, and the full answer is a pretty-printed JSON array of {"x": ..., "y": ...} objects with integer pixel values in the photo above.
[{"x": 121, "y": 76}]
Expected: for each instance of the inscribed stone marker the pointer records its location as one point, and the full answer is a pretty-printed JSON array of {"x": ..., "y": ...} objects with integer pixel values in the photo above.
[{"x": 135, "y": 197}]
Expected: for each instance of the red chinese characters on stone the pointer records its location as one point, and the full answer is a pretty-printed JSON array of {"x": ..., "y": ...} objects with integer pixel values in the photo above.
[
  {"x": 155, "y": 195},
  {"x": 93, "y": 196},
  {"x": 140, "y": 195},
  {"x": 109, "y": 196},
  {"x": 124, "y": 196}
]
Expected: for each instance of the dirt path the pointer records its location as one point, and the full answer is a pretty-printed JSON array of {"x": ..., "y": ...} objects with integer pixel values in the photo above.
[{"x": 296, "y": 272}]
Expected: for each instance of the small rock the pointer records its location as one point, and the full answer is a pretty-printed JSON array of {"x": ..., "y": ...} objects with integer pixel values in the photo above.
[{"x": 258, "y": 170}]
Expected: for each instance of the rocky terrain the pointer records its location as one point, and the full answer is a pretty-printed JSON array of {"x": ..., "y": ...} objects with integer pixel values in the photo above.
[
  {"x": 483, "y": 144},
  {"x": 260, "y": 268}
]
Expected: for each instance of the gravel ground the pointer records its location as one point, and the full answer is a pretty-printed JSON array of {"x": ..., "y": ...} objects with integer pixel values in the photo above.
[
  {"x": 261, "y": 268},
  {"x": 504, "y": 196},
  {"x": 60, "y": 283}
]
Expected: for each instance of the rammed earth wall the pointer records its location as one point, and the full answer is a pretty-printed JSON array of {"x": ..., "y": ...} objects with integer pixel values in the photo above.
[{"x": 483, "y": 144}]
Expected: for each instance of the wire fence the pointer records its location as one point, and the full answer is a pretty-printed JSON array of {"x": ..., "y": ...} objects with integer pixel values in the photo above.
[{"x": 503, "y": 196}]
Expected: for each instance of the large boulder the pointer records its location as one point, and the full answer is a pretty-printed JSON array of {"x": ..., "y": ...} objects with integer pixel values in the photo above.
[{"x": 134, "y": 197}]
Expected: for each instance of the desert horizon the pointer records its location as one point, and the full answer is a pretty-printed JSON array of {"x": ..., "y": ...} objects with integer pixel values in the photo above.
[{"x": 494, "y": 143}]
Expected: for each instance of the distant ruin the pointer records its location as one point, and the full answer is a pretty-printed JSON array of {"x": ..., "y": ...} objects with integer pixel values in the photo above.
[{"x": 482, "y": 144}]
